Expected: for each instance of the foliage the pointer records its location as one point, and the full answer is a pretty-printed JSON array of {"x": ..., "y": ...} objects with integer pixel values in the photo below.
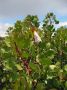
[{"x": 26, "y": 65}]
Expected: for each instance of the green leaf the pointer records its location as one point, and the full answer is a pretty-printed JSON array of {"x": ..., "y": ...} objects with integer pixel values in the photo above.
[
  {"x": 25, "y": 54},
  {"x": 65, "y": 67},
  {"x": 7, "y": 42},
  {"x": 3, "y": 50},
  {"x": 34, "y": 67},
  {"x": 45, "y": 61},
  {"x": 40, "y": 86},
  {"x": 66, "y": 85},
  {"x": 52, "y": 67},
  {"x": 18, "y": 67}
]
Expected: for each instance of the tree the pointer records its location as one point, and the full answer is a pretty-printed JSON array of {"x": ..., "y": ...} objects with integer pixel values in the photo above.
[
  {"x": 27, "y": 65},
  {"x": 49, "y": 26}
]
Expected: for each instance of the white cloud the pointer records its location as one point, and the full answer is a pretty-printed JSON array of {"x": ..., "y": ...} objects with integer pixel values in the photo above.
[
  {"x": 61, "y": 24},
  {"x": 3, "y": 28}
]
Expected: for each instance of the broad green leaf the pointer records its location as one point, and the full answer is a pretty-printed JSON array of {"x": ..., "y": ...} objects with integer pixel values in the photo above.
[
  {"x": 18, "y": 67},
  {"x": 65, "y": 67}
]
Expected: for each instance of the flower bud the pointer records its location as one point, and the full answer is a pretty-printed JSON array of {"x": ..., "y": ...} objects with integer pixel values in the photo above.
[{"x": 37, "y": 38}]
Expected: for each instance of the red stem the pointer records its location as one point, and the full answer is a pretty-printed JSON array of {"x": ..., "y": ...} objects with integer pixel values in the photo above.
[{"x": 25, "y": 62}]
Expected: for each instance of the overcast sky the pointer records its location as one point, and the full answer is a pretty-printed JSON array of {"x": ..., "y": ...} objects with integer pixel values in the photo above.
[{"x": 10, "y": 10}]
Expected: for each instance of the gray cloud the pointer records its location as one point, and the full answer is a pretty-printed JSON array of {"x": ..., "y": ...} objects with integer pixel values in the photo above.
[{"x": 14, "y": 8}]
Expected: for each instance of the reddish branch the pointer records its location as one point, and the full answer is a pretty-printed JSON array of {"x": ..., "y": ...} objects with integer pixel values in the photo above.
[
  {"x": 26, "y": 65},
  {"x": 25, "y": 62}
]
